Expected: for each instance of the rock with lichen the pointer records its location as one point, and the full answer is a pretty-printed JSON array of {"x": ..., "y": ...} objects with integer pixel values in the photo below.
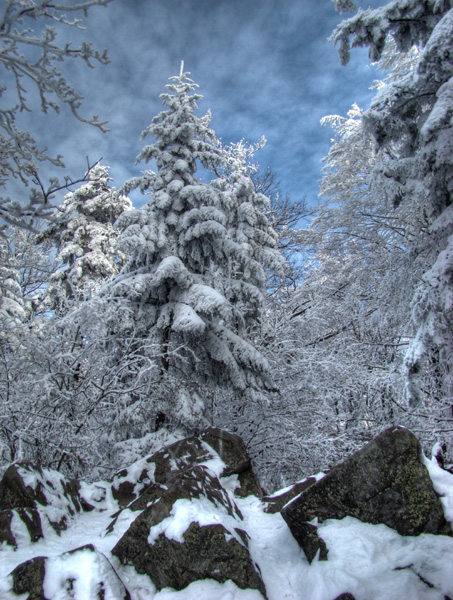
[{"x": 385, "y": 482}]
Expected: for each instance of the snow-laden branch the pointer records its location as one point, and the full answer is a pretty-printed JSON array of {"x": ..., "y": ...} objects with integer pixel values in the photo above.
[{"x": 30, "y": 57}]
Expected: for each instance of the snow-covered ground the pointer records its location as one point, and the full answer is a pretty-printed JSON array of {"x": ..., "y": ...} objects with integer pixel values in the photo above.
[{"x": 372, "y": 562}]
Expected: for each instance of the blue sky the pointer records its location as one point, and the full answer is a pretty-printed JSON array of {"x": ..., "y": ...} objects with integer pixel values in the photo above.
[{"x": 264, "y": 67}]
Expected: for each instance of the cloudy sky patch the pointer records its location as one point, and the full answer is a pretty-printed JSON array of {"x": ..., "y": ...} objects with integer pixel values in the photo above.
[{"x": 264, "y": 67}]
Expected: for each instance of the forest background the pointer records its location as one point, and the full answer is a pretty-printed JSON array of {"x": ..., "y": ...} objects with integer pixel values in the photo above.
[{"x": 214, "y": 302}]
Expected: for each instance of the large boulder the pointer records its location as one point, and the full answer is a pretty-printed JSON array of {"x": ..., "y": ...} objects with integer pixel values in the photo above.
[
  {"x": 191, "y": 532},
  {"x": 81, "y": 574},
  {"x": 385, "y": 482}
]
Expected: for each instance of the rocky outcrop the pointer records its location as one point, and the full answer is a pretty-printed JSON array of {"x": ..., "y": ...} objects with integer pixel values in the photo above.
[
  {"x": 194, "y": 517},
  {"x": 385, "y": 482},
  {"x": 175, "y": 515},
  {"x": 182, "y": 511}
]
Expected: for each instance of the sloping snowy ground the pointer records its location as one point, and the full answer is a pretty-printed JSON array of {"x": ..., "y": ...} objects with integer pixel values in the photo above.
[{"x": 372, "y": 562}]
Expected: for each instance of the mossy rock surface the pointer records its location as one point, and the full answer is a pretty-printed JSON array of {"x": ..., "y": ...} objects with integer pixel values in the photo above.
[
  {"x": 219, "y": 556},
  {"x": 385, "y": 482},
  {"x": 207, "y": 552}
]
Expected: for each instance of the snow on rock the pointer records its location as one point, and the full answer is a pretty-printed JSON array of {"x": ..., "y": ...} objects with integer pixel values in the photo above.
[
  {"x": 82, "y": 574},
  {"x": 195, "y": 516},
  {"x": 443, "y": 484},
  {"x": 133, "y": 449},
  {"x": 193, "y": 512},
  {"x": 278, "y": 500},
  {"x": 39, "y": 499}
]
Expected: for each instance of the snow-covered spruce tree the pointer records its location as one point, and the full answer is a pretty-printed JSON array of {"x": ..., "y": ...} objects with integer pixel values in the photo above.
[
  {"x": 410, "y": 122},
  {"x": 195, "y": 275},
  {"x": 85, "y": 240},
  {"x": 12, "y": 310}
]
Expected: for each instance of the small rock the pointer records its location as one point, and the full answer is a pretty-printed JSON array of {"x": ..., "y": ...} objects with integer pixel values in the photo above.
[{"x": 67, "y": 576}]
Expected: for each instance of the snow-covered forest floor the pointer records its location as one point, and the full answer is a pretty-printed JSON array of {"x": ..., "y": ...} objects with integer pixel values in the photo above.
[{"x": 369, "y": 561}]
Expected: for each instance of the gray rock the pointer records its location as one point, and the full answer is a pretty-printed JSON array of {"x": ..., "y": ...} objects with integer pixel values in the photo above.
[
  {"x": 128, "y": 484},
  {"x": 15, "y": 493},
  {"x": 30, "y": 518},
  {"x": 209, "y": 551},
  {"x": 28, "y": 578},
  {"x": 6, "y": 533},
  {"x": 385, "y": 482},
  {"x": 231, "y": 449},
  {"x": 179, "y": 456}
]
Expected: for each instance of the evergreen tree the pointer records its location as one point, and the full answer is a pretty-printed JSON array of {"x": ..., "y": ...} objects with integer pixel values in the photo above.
[
  {"x": 12, "y": 308},
  {"x": 85, "y": 240},
  {"x": 195, "y": 276}
]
